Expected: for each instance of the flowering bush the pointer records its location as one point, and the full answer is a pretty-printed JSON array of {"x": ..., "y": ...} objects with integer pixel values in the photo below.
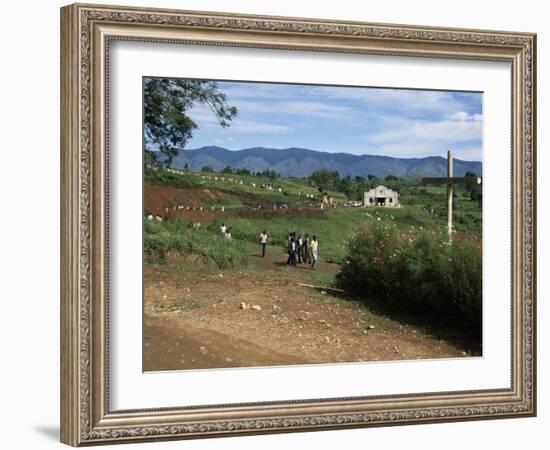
[{"x": 416, "y": 271}]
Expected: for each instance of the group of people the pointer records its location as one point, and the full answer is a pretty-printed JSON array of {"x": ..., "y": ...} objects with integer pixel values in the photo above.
[{"x": 302, "y": 250}]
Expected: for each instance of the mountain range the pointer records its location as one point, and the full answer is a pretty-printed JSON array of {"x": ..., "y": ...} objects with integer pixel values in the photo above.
[{"x": 301, "y": 162}]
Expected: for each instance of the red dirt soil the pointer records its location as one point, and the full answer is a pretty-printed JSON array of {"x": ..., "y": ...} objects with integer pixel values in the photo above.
[{"x": 168, "y": 201}]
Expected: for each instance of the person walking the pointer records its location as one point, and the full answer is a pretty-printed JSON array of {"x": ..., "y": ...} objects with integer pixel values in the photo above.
[
  {"x": 299, "y": 248},
  {"x": 289, "y": 239},
  {"x": 292, "y": 251},
  {"x": 314, "y": 244},
  {"x": 307, "y": 258},
  {"x": 263, "y": 242}
]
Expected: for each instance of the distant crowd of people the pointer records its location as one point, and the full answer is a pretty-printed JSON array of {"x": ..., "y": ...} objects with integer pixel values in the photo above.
[{"x": 302, "y": 250}]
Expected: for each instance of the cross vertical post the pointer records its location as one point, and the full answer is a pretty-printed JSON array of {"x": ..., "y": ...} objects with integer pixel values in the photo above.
[
  {"x": 450, "y": 195},
  {"x": 450, "y": 181}
]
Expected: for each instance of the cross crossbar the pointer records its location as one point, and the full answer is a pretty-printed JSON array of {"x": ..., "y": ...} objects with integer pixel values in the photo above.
[{"x": 451, "y": 180}]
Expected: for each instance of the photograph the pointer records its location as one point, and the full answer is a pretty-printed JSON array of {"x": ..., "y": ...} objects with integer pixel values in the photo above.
[
  {"x": 294, "y": 220},
  {"x": 297, "y": 224}
]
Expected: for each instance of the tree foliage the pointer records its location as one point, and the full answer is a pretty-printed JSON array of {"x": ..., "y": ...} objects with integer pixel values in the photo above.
[
  {"x": 167, "y": 126},
  {"x": 476, "y": 193}
]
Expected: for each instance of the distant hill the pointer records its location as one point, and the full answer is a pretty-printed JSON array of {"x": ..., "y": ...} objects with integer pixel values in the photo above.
[{"x": 300, "y": 162}]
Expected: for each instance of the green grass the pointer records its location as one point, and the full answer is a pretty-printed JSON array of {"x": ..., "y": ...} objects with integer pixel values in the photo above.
[
  {"x": 323, "y": 278},
  {"x": 333, "y": 227},
  {"x": 163, "y": 238},
  {"x": 467, "y": 214},
  {"x": 227, "y": 201}
]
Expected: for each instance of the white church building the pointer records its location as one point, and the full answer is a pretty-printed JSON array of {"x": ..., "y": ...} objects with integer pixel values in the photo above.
[{"x": 381, "y": 196}]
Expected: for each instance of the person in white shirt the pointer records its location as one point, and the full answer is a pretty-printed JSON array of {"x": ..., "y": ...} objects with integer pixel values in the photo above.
[
  {"x": 300, "y": 248},
  {"x": 227, "y": 234},
  {"x": 263, "y": 242},
  {"x": 314, "y": 245},
  {"x": 223, "y": 229}
]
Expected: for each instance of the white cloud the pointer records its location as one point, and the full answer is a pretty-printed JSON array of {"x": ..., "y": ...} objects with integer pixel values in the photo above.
[
  {"x": 464, "y": 116},
  {"x": 409, "y": 100},
  {"x": 446, "y": 131},
  {"x": 250, "y": 126},
  {"x": 318, "y": 109},
  {"x": 206, "y": 120},
  {"x": 310, "y": 108},
  {"x": 410, "y": 138}
]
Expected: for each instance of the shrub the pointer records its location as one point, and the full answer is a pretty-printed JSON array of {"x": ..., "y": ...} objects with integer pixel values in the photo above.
[{"x": 418, "y": 271}]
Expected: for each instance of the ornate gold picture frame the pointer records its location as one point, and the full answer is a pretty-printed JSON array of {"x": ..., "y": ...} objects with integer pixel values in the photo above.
[{"x": 87, "y": 32}]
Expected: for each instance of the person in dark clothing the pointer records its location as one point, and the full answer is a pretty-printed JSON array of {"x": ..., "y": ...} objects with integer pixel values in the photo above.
[
  {"x": 293, "y": 251},
  {"x": 289, "y": 260},
  {"x": 307, "y": 258}
]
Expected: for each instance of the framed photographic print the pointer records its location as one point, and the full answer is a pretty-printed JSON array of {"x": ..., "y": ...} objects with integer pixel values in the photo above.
[{"x": 278, "y": 224}]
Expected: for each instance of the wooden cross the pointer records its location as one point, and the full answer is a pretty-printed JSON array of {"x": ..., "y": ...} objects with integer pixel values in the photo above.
[{"x": 450, "y": 181}]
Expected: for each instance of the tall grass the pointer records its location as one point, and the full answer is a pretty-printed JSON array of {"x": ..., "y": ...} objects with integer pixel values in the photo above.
[{"x": 162, "y": 238}]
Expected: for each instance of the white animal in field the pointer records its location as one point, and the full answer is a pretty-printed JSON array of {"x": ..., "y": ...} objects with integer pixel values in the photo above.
[{"x": 150, "y": 217}]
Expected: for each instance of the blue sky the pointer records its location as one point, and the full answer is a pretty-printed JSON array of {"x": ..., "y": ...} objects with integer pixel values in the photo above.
[{"x": 393, "y": 122}]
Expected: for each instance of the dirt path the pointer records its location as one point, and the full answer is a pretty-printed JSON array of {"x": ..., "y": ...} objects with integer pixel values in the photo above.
[{"x": 194, "y": 319}]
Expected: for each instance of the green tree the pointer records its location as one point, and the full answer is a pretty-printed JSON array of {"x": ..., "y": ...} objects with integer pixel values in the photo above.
[
  {"x": 476, "y": 193},
  {"x": 167, "y": 126},
  {"x": 325, "y": 179}
]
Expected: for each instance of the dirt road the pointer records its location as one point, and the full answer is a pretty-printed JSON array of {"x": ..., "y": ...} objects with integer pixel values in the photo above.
[{"x": 196, "y": 318}]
